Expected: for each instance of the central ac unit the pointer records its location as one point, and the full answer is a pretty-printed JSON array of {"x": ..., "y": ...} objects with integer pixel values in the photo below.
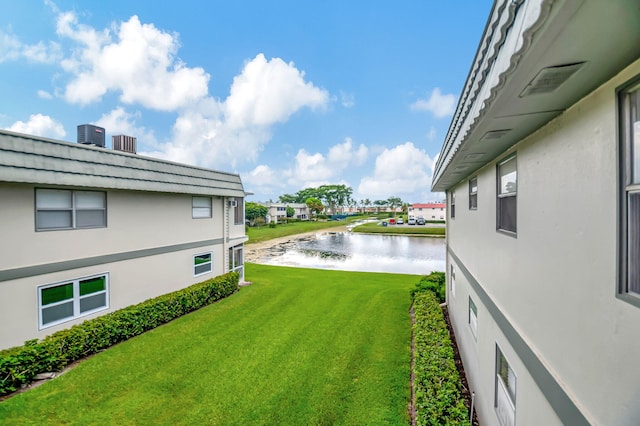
[{"x": 233, "y": 203}]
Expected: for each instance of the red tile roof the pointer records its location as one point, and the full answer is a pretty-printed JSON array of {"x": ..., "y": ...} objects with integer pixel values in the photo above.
[{"x": 429, "y": 206}]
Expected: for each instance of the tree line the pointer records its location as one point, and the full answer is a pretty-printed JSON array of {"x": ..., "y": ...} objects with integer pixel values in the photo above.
[{"x": 328, "y": 198}]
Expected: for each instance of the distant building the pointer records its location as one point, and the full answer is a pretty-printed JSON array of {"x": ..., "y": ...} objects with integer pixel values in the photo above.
[
  {"x": 277, "y": 212},
  {"x": 86, "y": 231},
  {"x": 429, "y": 211}
]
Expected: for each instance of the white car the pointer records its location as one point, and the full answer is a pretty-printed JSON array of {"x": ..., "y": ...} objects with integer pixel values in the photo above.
[
  {"x": 400, "y": 221},
  {"x": 411, "y": 221}
]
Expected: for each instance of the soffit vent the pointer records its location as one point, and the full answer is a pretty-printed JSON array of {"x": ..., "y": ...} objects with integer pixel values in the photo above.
[
  {"x": 549, "y": 79},
  {"x": 474, "y": 157},
  {"x": 494, "y": 135}
]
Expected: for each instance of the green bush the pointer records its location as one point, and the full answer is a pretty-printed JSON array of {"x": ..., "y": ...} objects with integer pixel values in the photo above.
[
  {"x": 272, "y": 224},
  {"x": 434, "y": 282},
  {"x": 19, "y": 365},
  {"x": 437, "y": 384}
]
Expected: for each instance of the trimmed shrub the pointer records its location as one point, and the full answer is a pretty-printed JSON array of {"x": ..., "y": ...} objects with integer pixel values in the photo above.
[
  {"x": 434, "y": 282},
  {"x": 437, "y": 384},
  {"x": 19, "y": 365}
]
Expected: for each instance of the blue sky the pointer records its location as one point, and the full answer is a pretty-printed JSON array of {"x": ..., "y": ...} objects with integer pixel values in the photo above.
[{"x": 288, "y": 94}]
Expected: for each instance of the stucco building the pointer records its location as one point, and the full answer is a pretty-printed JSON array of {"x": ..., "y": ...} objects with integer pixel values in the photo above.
[
  {"x": 86, "y": 231},
  {"x": 541, "y": 168},
  {"x": 428, "y": 211}
]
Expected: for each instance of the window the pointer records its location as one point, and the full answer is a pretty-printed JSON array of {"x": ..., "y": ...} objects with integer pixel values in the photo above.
[
  {"x": 69, "y": 209},
  {"x": 202, "y": 264},
  {"x": 71, "y": 299},
  {"x": 630, "y": 189},
  {"x": 507, "y": 195},
  {"x": 201, "y": 207},
  {"x": 505, "y": 390},
  {"x": 453, "y": 281},
  {"x": 453, "y": 205},
  {"x": 473, "y": 193},
  {"x": 238, "y": 212},
  {"x": 236, "y": 260},
  {"x": 473, "y": 318}
]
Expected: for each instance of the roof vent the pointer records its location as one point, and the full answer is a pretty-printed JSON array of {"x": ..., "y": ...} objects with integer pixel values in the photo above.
[
  {"x": 550, "y": 78},
  {"x": 494, "y": 135},
  {"x": 124, "y": 143}
]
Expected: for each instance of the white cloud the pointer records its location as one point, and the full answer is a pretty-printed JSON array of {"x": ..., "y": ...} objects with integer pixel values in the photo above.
[
  {"x": 343, "y": 155},
  {"x": 218, "y": 134},
  {"x": 139, "y": 61},
  {"x": 263, "y": 177},
  {"x": 404, "y": 169},
  {"x": 438, "y": 104},
  {"x": 431, "y": 135},
  {"x": 43, "y": 94},
  {"x": 120, "y": 122},
  {"x": 11, "y": 49},
  {"x": 347, "y": 100},
  {"x": 314, "y": 169},
  {"x": 39, "y": 125},
  {"x": 268, "y": 92},
  {"x": 308, "y": 170}
]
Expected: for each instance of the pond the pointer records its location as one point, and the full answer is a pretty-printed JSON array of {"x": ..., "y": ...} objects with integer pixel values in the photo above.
[{"x": 361, "y": 252}]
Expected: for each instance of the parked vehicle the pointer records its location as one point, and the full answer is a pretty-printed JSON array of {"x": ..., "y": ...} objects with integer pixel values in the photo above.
[
  {"x": 392, "y": 221},
  {"x": 411, "y": 221},
  {"x": 420, "y": 221},
  {"x": 400, "y": 221}
]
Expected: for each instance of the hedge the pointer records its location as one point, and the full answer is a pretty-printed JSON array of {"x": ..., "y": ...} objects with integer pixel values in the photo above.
[
  {"x": 435, "y": 282},
  {"x": 19, "y": 365},
  {"x": 437, "y": 384}
]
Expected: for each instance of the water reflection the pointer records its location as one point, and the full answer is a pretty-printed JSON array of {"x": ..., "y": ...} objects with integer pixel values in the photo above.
[{"x": 360, "y": 252}]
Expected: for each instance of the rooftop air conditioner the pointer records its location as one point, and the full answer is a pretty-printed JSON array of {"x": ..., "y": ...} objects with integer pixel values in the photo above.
[{"x": 233, "y": 203}]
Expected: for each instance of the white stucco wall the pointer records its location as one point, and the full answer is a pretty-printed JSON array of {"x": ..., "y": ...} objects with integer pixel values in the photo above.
[
  {"x": 135, "y": 221},
  {"x": 556, "y": 281}
]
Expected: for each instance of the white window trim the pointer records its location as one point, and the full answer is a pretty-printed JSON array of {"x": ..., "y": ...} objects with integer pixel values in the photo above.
[
  {"x": 628, "y": 253},
  {"x": 238, "y": 213},
  {"x": 76, "y": 300},
  {"x": 512, "y": 157},
  {"x": 194, "y": 207},
  {"x": 473, "y": 318},
  {"x": 473, "y": 194},
  {"x": 506, "y": 415},
  {"x": 210, "y": 263},
  {"x": 73, "y": 209},
  {"x": 453, "y": 205},
  {"x": 452, "y": 277}
]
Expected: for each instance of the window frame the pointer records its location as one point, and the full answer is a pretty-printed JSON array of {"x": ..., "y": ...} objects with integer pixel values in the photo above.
[
  {"x": 196, "y": 265},
  {"x": 236, "y": 260},
  {"x": 501, "y": 386},
  {"x": 473, "y": 318},
  {"x": 452, "y": 278},
  {"x": 75, "y": 299},
  {"x": 73, "y": 209},
  {"x": 500, "y": 196},
  {"x": 195, "y": 208},
  {"x": 628, "y": 254},
  {"x": 238, "y": 212},
  {"x": 473, "y": 193},
  {"x": 452, "y": 198}
]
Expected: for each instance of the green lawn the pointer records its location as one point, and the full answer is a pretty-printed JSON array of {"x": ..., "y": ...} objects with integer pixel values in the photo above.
[
  {"x": 298, "y": 347},
  {"x": 376, "y": 228},
  {"x": 264, "y": 233}
]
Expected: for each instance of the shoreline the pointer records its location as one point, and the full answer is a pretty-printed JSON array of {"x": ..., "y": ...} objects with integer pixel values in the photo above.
[{"x": 255, "y": 251}]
